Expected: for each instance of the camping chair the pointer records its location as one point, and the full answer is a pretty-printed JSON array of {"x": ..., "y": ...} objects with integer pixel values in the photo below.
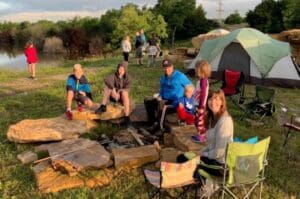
[
  {"x": 171, "y": 176},
  {"x": 244, "y": 168},
  {"x": 290, "y": 120},
  {"x": 163, "y": 115},
  {"x": 233, "y": 84},
  {"x": 262, "y": 103}
]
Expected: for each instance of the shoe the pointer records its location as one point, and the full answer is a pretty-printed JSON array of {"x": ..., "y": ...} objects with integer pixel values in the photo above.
[
  {"x": 69, "y": 115},
  {"x": 80, "y": 108},
  {"x": 155, "y": 127},
  {"x": 128, "y": 122},
  {"x": 199, "y": 138},
  {"x": 101, "y": 109}
]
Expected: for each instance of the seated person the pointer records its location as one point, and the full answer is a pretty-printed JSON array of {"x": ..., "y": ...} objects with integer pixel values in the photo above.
[
  {"x": 186, "y": 106},
  {"x": 172, "y": 85},
  {"x": 78, "y": 89},
  {"x": 116, "y": 89}
]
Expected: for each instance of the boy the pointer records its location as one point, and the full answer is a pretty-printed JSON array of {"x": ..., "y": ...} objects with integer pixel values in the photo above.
[
  {"x": 186, "y": 106},
  {"x": 78, "y": 89}
]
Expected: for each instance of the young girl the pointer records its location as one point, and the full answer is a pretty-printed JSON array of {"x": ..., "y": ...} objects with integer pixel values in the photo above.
[
  {"x": 32, "y": 59},
  {"x": 126, "y": 47},
  {"x": 203, "y": 72},
  {"x": 153, "y": 48}
]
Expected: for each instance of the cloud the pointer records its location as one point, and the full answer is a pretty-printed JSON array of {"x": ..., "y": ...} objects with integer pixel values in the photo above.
[{"x": 49, "y": 15}]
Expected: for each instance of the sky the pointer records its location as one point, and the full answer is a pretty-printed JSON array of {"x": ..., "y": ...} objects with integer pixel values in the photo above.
[{"x": 34, "y": 10}]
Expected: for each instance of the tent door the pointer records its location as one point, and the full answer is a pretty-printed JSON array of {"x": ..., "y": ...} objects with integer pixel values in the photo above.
[{"x": 234, "y": 57}]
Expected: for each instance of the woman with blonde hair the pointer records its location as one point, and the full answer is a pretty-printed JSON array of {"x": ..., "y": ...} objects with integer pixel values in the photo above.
[
  {"x": 203, "y": 72},
  {"x": 126, "y": 47}
]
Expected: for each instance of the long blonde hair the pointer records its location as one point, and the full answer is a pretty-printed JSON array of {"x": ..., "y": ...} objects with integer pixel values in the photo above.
[{"x": 203, "y": 69}]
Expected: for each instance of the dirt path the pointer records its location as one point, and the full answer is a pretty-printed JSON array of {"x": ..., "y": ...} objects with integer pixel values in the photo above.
[{"x": 23, "y": 85}]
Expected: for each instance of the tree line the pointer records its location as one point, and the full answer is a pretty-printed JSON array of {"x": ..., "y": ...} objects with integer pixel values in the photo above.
[{"x": 170, "y": 19}]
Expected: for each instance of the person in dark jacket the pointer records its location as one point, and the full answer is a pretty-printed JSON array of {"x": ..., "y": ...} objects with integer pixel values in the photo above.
[
  {"x": 116, "y": 89},
  {"x": 78, "y": 89}
]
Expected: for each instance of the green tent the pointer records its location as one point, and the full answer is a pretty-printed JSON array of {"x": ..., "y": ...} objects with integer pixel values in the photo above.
[{"x": 262, "y": 49}]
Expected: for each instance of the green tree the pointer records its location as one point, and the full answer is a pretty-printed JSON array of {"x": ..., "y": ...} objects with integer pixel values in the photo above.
[
  {"x": 175, "y": 12},
  {"x": 234, "y": 18},
  {"x": 292, "y": 14}
]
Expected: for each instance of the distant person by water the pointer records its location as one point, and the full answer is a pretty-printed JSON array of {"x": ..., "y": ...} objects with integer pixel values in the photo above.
[
  {"x": 126, "y": 47},
  {"x": 32, "y": 59}
]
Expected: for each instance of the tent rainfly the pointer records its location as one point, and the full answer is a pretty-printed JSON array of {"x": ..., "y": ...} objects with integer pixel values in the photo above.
[{"x": 263, "y": 60}]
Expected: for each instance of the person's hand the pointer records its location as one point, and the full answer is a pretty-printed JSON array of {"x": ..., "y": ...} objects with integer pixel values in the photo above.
[
  {"x": 82, "y": 93},
  {"x": 180, "y": 105},
  {"x": 201, "y": 110}
]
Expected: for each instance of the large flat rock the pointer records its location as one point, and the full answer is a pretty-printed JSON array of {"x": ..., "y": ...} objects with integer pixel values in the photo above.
[
  {"x": 182, "y": 139},
  {"x": 113, "y": 111},
  {"x": 139, "y": 114},
  {"x": 135, "y": 157},
  {"x": 45, "y": 130},
  {"x": 79, "y": 154},
  {"x": 48, "y": 180}
]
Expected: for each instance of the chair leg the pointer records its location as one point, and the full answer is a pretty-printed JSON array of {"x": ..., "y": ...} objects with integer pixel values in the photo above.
[
  {"x": 261, "y": 189},
  {"x": 287, "y": 135},
  {"x": 162, "y": 118}
]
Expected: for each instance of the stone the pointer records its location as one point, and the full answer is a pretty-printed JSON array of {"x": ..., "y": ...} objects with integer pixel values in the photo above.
[
  {"x": 182, "y": 139},
  {"x": 79, "y": 154},
  {"x": 123, "y": 137},
  {"x": 45, "y": 130},
  {"x": 168, "y": 140},
  {"x": 49, "y": 181},
  {"x": 139, "y": 114},
  {"x": 27, "y": 157},
  {"x": 134, "y": 157}
]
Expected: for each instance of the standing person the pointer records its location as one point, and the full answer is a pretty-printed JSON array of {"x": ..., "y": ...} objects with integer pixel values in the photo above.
[
  {"x": 144, "y": 39},
  {"x": 203, "y": 72},
  {"x": 78, "y": 89},
  {"x": 116, "y": 89},
  {"x": 32, "y": 59},
  {"x": 126, "y": 47},
  {"x": 153, "y": 48},
  {"x": 138, "y": 48}
]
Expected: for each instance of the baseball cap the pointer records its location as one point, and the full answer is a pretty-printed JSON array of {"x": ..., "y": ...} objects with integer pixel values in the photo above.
[{"x": 167, "y": 63}]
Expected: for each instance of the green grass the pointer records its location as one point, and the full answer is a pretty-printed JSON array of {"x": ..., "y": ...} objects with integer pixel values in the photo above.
[{"x": 17, "y": 181}]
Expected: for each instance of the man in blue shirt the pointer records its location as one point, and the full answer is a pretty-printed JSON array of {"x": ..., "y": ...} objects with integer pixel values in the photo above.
[{"x": 172, "y": 85}]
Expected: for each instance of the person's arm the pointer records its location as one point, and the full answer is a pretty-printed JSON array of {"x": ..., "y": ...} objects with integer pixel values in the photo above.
[
  {"x": 224, "y": 134},
  {"x": 184, "y": 80},
  {"x": 109, "y": 81}
]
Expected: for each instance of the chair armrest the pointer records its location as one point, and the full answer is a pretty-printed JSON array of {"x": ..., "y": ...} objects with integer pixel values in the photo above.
[
  {"x": 211, "y": 166},
  {"x": 264, "y": 105}
]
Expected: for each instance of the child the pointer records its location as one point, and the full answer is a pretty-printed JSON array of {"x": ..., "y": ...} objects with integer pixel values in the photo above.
[
  {"x": 153, "y": 48},
  {"x": 78, "y": 89},
  {"x": 203, "y": 72},
  {"x": 32, "y": 59},
  {"x": 126, "y": 47},
  {"x": 186, "y": 106}
]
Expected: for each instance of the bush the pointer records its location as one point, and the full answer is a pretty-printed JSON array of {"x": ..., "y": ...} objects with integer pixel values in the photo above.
[{"x": 54, "y": 45}]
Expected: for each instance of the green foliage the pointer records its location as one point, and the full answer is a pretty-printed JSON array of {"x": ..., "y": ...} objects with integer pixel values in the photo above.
[
  {"x": 132, "y": 19},
  {"x": 292, "y": 14},
  {"x": 234, "y": 18}
]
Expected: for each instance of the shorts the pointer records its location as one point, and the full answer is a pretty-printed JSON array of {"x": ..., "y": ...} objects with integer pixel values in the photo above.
[
  {"x": 81, "y": 99},
  {"x": 139, "y": 52}
]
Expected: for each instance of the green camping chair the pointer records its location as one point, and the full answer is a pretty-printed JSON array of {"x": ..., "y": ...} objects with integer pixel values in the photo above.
[
  {"x": 262, "y": 104},
  {"x": 244, "y": 168}
]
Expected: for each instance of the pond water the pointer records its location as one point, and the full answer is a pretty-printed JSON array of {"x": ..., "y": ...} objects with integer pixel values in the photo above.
[{"x": 17, "y": 60}]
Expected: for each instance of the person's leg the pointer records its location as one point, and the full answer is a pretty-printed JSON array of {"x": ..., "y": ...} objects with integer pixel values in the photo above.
[
  {"x": 29, "y": 69},
  {"x": 70, "y": 97},
  {"x": 126, "y": 102},
  {"x": 106, "y": 94},
  {"x": 33, "y": 69},
  {"x": 181, "y": 113},
  {"x": 88, "y": 102},
  {"x": 151, "y": 106}
]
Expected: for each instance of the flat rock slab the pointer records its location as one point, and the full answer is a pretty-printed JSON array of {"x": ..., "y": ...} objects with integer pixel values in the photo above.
[
  {"x": 182, "y": 139},
  {"x": 45, "y": 130},
  {"x": 27, "y": 157},
  {"x": 79, "y": 154},
  {"x": 169, "y": 154},
  {"x": 48, "y": 180},
  {"x": 113, "y": 111},
  {"x": 135, "y": 157},
  {"x": 139, "y": 114}
]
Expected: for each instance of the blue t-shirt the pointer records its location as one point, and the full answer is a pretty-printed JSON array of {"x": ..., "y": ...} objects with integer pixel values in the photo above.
[{"x": 188, "y": 103}]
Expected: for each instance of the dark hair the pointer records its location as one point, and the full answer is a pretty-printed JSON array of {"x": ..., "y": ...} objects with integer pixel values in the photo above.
[
  {"x": 28, "y": 43},
  {"x": 209, "y": 118}
]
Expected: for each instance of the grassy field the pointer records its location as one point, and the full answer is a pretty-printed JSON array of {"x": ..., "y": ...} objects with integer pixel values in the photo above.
[{"x": 17, "y": 181}]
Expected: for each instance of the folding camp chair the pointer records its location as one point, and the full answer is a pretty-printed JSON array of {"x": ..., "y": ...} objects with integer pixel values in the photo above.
[
  {"x": 172, "y": 175},
  {"x": 244, "y": 168},
  {"x": 233, "y": 84},
  {"x": 290, "y": 120},
  {"x": 262, "y": 104},
  {"x": 163, "y": 115}
]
